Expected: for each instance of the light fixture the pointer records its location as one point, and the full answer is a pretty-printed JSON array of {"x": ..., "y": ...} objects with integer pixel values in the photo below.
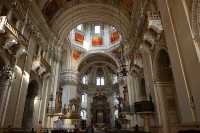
[{"x": 123, "y": 70}]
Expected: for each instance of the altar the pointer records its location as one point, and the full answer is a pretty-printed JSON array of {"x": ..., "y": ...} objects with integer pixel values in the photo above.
[{"x": 100, "y": 111}]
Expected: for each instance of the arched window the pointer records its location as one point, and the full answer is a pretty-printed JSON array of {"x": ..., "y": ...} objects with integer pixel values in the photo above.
[
  {"x": 97, "y": 35},
  {"x": 83, "y": 115},
  {"x": 116, "y": 114},
  {"x": 84, "y": 100},
  {"x": 100, "y": 81},
  {"x": 114, "y": 79},
  {"x": 79, "y": 27},
  {"x": 97, "y": 29},
  {"x": 85, "y": 80}
]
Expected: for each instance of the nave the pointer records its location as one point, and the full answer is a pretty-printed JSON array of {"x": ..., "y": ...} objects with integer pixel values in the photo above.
[{"x": 118, "y": 65}]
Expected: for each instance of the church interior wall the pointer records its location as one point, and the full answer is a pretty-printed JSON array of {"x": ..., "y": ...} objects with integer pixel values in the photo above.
[
  {"x": 176, "y": 51},
  {"x": 177, "y": 41}
]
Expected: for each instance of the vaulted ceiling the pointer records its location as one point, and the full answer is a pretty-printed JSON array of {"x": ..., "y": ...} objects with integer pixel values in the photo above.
[
  {"x": 63, "y": 15},
  {"x": 99, "y": 60},
  {"x": 52, "y": 7}
]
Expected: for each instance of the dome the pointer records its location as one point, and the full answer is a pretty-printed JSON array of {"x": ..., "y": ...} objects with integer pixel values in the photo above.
[{"x": 95, "y": 37}]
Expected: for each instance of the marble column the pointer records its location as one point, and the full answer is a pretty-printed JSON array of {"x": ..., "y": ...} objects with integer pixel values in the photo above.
[
  {"x": 22, "y": 84},
  {"x": 138, "y": 96},
  {"x": 69, "y": 92},
  {"x": 131, "y": 96},
  {"x": 184, "y": 58},
  {"x": 89, "y": 114}
]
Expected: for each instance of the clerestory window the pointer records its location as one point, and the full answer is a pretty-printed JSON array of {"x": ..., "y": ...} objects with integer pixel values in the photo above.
[{"x": 100, "y": 81}]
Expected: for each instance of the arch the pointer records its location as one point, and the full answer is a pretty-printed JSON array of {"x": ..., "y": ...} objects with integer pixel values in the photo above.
[
  {"x": 166, "y": 84},
  {"x": 111, "y": 61},
  {"x": 163, "y": 65},
  {"x": 84, "y": 13}
]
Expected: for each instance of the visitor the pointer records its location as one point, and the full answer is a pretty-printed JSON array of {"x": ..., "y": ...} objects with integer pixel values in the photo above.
[{"x": 136, "y": 128}]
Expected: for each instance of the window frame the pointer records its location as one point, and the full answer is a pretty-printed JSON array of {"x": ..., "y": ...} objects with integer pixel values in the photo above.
[{"x": 100, "y": 81}]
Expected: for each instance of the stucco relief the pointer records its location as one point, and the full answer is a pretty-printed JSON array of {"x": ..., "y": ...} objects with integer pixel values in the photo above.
[{"x": 196, "y": 19}]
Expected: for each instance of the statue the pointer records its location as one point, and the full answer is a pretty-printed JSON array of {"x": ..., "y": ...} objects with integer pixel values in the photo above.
[
  {"x": 126, "y": 101},
  {"x": 59, "y": 101},
  {"x": 73, "y": 108},
  {"x": 65, "y": 109}
]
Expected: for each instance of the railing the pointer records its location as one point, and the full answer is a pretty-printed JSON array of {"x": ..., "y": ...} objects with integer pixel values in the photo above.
[{"x": 144, "y": 106}]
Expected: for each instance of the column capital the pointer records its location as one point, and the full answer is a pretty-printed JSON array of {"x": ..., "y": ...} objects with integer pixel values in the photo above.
[{"x": 69, "y": 76}]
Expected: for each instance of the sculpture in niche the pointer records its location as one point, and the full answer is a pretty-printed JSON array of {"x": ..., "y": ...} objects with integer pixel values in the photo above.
[
  {"x": 59, "y": 100},
  {"x": 126, "y": 102},
  {"x": 65, "y": 109},
  {"x": 74, "y": 105}
]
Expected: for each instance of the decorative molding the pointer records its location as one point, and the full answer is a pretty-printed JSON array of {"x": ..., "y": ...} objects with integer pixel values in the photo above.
[
  {"x": 41, "y": 67},
  {"x": 154, "y": 22}
]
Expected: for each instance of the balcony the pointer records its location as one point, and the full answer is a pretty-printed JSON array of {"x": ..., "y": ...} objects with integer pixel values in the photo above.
[
  {"x": 144, "y": 107},
  {"x": 69, "y": 77}
]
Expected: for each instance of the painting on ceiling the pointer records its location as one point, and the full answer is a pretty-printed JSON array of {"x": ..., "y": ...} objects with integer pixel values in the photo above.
[
  {"x": 79, "y": 37},
  {"x": 114, "y": 37},
  {"x": 97, "y": 41},
  {"x": 76, "y": 54}
]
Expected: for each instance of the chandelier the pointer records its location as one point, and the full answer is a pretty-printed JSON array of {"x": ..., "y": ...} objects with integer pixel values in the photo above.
[{"x": 123, "y": 68}]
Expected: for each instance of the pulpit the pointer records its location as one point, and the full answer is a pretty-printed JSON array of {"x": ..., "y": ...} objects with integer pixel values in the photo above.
[{"x": 100, "y": 111}]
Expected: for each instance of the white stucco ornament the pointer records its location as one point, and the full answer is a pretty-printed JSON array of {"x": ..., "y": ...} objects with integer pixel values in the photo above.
[
  {"x": 154, "y": 22},
  {"x": 148, "y": 36},
  {"x": 3, "y": 21}
]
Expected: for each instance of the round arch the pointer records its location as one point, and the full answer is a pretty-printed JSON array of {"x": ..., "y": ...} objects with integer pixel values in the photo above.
[
  {"x": 112, "y": 62},
  {"x": 163, "y": 66},
  {"x": 164, "y": 77},
  {"x": 95, "y": 13}
]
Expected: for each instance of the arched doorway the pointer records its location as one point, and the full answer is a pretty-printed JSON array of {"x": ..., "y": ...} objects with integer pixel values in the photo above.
[
  {"x": 165, "y": 79},
  {"x": 31, "y": 97}
]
